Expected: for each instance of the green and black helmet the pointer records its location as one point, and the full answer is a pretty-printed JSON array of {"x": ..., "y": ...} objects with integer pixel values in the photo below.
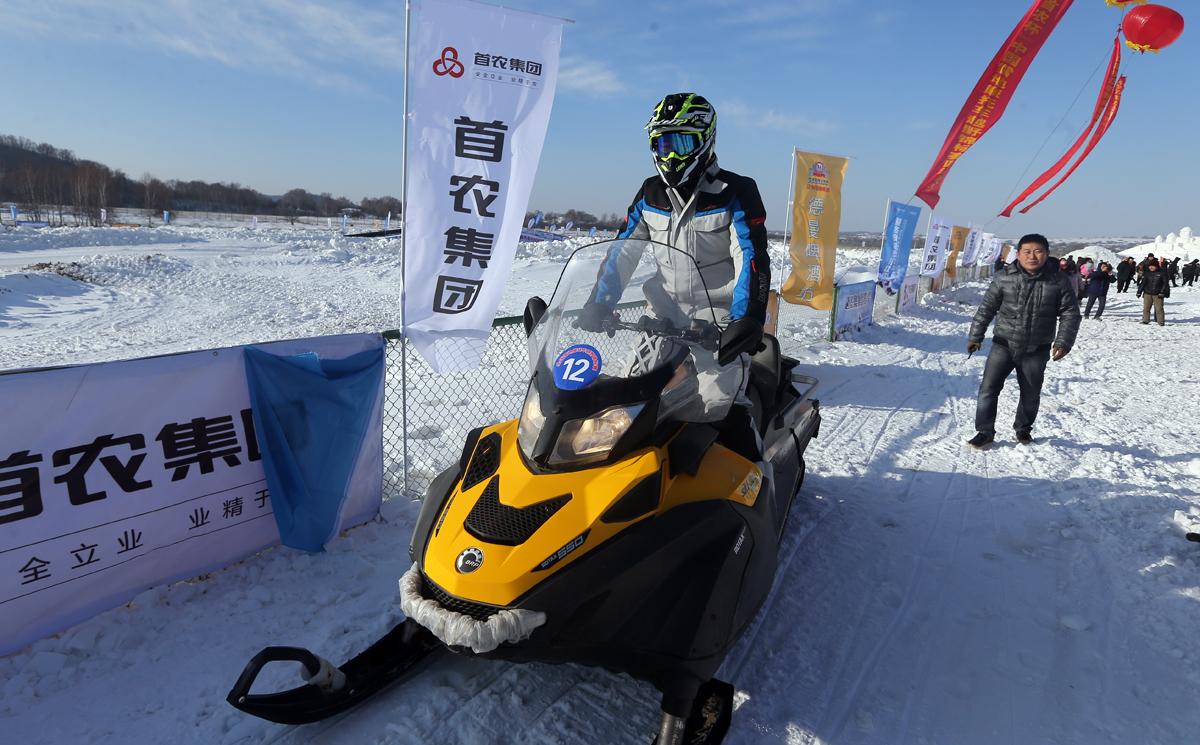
[{"x": 683, "y": 131}]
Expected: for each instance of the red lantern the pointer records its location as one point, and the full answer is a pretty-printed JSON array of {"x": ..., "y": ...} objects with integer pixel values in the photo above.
[{"x": 1151, "y": 28}]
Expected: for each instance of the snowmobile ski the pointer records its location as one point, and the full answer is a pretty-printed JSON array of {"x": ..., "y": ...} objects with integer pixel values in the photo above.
[
  {"x": 331, "y": 690},
  {"x": 708, "y": 722}
]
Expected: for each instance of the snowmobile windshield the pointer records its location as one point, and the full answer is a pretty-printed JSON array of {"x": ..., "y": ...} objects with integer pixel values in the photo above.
[{"x": 630, "y": 335}]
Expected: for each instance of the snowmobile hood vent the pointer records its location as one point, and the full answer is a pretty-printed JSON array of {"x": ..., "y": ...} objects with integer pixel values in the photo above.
[
  {"x": 478, "y": 611},
  {"x": 484, "y": 462},
  {"x": 502, "y": 525}
]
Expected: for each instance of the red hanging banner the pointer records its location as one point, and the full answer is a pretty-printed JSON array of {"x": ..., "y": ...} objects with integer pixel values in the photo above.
[
  {"x": 1106, "y": 91},
  {"x": 991, "y": 94},
  {"x": 1110, "y": 113}
]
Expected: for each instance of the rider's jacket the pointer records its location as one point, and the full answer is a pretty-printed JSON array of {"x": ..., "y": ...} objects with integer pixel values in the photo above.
[{"x": 721, "y": 226}]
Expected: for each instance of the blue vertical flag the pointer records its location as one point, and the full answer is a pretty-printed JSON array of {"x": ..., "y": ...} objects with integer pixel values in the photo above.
[
  {"x": 530, "y": 223},
  {"x": 592, "y": 232},
  {"x": 898, "y": 231},
  {"x": 344, "y": 221},
  {"x": 13, "y": 209},
  {"x": 570, "y": 224},
  {"x": 387, "y": 221},
  {"x": 166, "y": 217},
  {"x": 537, "y": 219}
]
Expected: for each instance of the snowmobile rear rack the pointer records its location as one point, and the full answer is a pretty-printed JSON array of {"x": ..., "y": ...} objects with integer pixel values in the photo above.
[{"x": 388, "y": 660}]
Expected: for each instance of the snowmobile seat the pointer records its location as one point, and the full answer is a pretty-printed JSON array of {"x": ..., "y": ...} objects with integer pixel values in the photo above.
[{"x": 766, "y": 374}]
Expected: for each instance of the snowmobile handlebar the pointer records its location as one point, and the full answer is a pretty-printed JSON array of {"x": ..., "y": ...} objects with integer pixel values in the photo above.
[{"x": 706, "y": 335}]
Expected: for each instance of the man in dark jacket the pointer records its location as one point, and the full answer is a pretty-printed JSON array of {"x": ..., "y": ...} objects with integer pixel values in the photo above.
[
  {"x": 1125, "y": 271},
  {"x": 1029, "y": 300},
  {"x": 1097, "y": 289},
  {"x": 1155, "y": 288},
  {"x": 1190, "y": 271}
]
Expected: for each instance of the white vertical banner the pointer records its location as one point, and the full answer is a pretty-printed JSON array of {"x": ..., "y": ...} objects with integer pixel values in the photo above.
[
  {"x": 987, "y": 244},
  {"x": 937, "y": 245},
  {"x": 970, "y": 252},
  {"x": 480, "y": 87},
  {"x": 103, "y": 215}
]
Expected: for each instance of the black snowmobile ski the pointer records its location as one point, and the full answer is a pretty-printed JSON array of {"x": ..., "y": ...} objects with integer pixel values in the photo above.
[
  {"x": 387, "y": 661},
  {"x": 708, "y": 722},
  {"x": 1194, "y": 537}
]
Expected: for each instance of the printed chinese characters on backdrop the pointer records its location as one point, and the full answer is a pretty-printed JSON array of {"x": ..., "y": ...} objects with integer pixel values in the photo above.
[
  {"x": 481, "y": 82},
  {"x": 853, "y": 310},
  {"x": 119, "y": 476}
]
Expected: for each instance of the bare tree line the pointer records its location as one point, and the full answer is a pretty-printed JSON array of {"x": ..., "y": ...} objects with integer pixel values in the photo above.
[{"x": 52, "y": 184}]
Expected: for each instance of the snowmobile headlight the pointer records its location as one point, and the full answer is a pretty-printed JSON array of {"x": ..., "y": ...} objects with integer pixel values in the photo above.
[
  {"x": 591, "y": 439},
  {"x": 531, "y": 422}
]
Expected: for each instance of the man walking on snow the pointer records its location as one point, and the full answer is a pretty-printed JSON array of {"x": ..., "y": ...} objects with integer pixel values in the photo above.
[{"x": 1028, "y": 299}]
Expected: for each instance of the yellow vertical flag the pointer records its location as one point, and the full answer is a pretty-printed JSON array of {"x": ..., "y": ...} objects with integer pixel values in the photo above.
[
  {"x": 816, "y": 216},
  {"x": 958, "y": 239}
]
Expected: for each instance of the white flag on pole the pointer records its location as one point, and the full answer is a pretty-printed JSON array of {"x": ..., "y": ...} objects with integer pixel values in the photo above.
[
  {"x": 480, "y": 86},
  {"x": 987, "y": 244},
  {"x": 937, "y": 239},
  {"x": 970, "y": 252}
]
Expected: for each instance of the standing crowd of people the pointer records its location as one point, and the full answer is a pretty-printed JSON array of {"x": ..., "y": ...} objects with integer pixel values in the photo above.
[{"x": 1154, "y": 279}]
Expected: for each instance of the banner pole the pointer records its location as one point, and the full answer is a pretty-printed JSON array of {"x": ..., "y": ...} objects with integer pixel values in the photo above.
[
  {"x": 404, "y": 251},
  {"x": 887, "y": 208},
  {"x": 787, "y": 217},
  {"x": 833, "y": 312}
]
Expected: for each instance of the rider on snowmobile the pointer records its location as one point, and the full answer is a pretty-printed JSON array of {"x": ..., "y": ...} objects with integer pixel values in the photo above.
[{"x": 713, "y": 215}]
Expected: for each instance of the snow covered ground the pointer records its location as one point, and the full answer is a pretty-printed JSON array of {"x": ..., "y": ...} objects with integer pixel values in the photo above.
[{"x": 927, "y": 594}]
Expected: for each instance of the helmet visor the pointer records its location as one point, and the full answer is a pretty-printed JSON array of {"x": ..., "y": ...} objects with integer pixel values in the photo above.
[{"x": 678, "y": 143}]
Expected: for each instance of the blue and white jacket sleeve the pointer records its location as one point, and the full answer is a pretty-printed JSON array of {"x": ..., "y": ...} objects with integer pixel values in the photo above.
[
  {"x": 749, "y": 228},
  {"x": 623, "y": 258}
]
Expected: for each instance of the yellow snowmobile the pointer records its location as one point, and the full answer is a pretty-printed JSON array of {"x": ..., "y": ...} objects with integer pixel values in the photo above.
[{"x": 628, "y": 519}]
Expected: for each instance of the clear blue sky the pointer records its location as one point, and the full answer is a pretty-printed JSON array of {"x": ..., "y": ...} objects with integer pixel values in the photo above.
[{"x": 276, "y": 94}]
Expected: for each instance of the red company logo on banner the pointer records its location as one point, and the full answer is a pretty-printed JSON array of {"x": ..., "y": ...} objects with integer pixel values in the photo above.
[
  {"x": 818, "y": 177},
  {"x": 448, "y": 64}
]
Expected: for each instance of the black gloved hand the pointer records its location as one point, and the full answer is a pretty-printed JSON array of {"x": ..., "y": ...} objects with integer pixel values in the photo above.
[
  {"x": 593, "y": 316},
  {"x": 743, "y": 335}
]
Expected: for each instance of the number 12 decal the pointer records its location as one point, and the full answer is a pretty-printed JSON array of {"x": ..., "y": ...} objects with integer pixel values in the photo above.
[{"x": 577, "y": 366}]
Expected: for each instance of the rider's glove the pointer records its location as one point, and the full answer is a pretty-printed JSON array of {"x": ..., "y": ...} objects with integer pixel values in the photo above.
[
  {"x": 593, "y": 316},
  {"x": 741, "y": 336}
]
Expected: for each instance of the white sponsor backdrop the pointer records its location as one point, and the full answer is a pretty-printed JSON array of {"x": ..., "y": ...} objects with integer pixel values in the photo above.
[
  {"x": 480, "y": 87},
  {"x": 906, "y": 299},
  {"x": 853, "y": 308},
  {"x": 119, "y": 476}
]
